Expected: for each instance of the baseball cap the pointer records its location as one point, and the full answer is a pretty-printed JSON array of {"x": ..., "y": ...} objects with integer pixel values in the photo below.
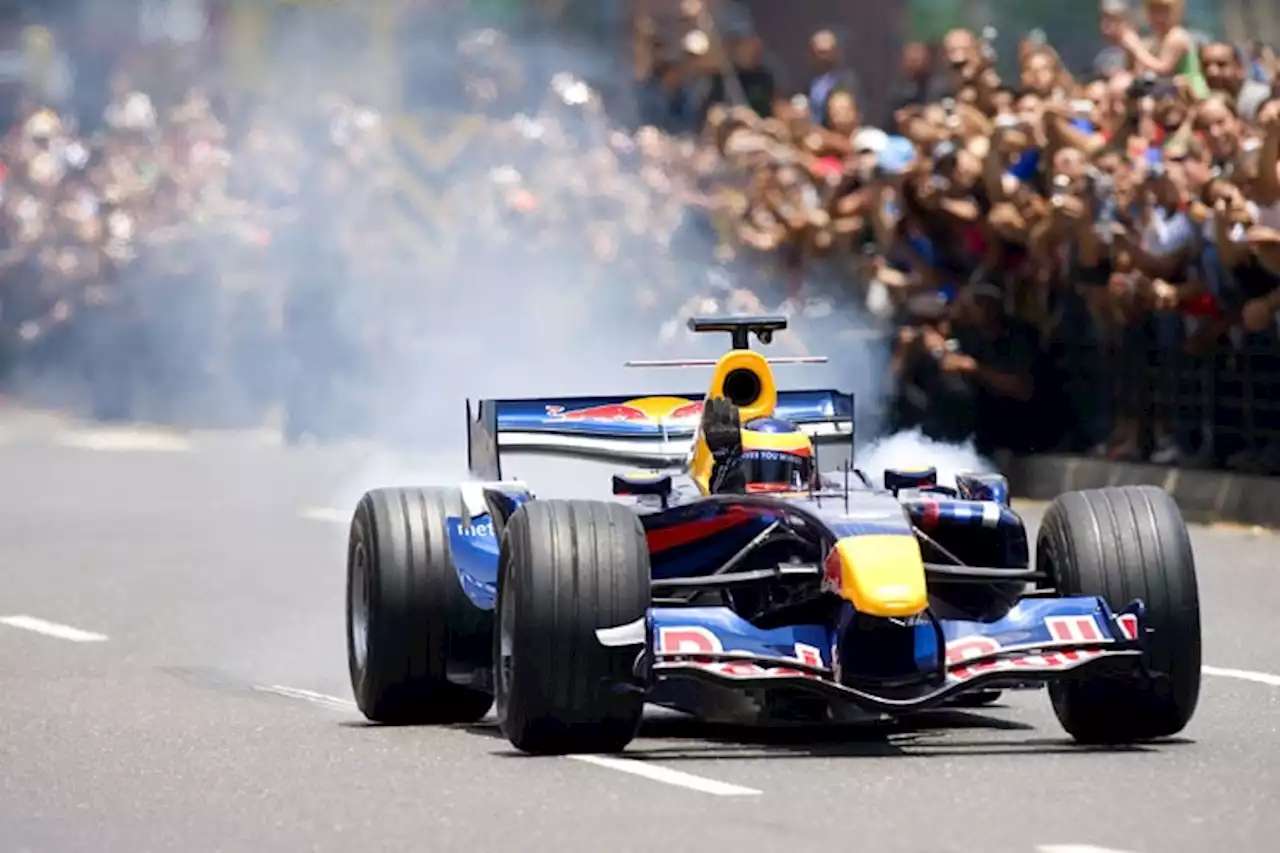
[
  {"x": 870, "y": 139},
  {"x": 897, "y": 155}
]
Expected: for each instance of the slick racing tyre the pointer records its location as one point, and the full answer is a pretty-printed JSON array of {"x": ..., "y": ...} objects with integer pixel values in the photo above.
[
  {"x": 566, "y": 569},
  {"x": 408, "y": 620},
  {"x": 1121, "y": 544}
]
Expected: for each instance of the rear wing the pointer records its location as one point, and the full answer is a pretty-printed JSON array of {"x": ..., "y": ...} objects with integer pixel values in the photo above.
[{"x": 656, "y": 431}]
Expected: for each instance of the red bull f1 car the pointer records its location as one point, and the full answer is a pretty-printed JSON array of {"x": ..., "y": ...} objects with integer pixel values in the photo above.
[{"x": 733, "y": 580}]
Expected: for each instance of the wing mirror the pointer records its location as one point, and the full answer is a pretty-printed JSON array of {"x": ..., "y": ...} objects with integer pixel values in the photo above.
[
  {"x": 898, "y": 479},
  {"x": 658, "y": 485}
]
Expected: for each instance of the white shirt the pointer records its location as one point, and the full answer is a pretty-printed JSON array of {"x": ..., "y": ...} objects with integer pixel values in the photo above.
[{"x": 1167, "y": 233}]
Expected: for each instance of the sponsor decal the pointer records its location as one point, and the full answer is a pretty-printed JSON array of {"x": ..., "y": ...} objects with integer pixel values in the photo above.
[
  {"x": 692, "y": 640},
  {"x": 1063, "y": 629},
  {"x": 483, "y": 530},
  {"x": 643, "y": 410},
  {"x": 688, "y": 411},
  {"x": 832, "y": 568},
  {"x": 610, "y": 412}
]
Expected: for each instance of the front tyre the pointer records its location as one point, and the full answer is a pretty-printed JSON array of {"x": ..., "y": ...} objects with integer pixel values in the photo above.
[
  {"x": 1121, "y": 544},
  {"x": 408, "y": 620},
  {"x": 566, "y": 569}
]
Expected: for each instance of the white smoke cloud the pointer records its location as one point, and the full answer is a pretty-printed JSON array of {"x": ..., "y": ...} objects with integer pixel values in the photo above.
[{"x": 912, "y": 449}]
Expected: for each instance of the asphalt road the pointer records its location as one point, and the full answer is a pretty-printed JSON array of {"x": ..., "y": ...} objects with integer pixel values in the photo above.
[{"x": 202, "y": 704}]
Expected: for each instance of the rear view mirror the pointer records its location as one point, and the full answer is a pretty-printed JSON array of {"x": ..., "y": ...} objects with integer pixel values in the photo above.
[
  {"x": 897, "y": 479},
  {"x": 643, "y": 484}
]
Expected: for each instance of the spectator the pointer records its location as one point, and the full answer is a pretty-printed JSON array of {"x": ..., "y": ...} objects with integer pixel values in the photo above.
[
  {"x": 759, "y": 81},
  {"x": 1225, "y": 73},
  {"x": 1171, "y": 51},
  {"x": 665, "y": 100},
  {"x": 918, "y": 82},
  {"x": 829, "y": 75}
]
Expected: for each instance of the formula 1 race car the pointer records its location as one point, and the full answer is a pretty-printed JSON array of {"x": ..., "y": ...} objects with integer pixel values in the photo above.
[{"x": 735, "y": 581}]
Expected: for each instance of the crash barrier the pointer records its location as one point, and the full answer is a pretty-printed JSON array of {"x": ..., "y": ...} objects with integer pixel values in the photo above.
[
  {"x": 1205, "y": 496},
  {"x": 1212, "y": 408},
  {"x": 1121, "y": 400}
]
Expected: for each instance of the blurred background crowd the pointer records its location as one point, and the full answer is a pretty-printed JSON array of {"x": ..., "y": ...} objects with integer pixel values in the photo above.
[{"x": 214, "y": 210}]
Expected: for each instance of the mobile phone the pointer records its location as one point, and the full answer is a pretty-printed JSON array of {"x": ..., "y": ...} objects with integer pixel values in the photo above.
[{"x": 1061, "y": 183}]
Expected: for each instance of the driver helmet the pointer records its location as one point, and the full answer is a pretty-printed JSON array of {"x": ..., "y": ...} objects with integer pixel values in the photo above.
[{"x": 776, "y": 456}]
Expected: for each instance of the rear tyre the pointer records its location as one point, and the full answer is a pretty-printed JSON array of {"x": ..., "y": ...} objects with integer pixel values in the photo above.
[
  {"x": 567, "y": 568},
  {"x": 1121, "y": 544},
  {"x": 408, "y": 620}
]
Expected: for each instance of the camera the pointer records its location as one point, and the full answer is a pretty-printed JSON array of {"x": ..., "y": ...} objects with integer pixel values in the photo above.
[
  {"x": 988, "y": 43},
  {"x": 1082, "y": 107},
  {"x": 1143, "y": 86},
  {"x": 1105, "y": 204},
  {"x": 1102, "y": 185}
]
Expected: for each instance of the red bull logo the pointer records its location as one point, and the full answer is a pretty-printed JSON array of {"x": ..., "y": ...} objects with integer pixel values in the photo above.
[
  {"x": 611, "y": 412},
  {"x": 642, "y": 410},
  {"x": 689, "y": 411}
]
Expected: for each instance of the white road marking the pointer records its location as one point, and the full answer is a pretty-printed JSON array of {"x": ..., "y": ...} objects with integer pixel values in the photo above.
[
  {"x": 668, "y": 776},
  {"x": 123, "y": 440},
  {"x": 1076, "y": 848},
  {"x": 623, "y": 765},
  {"x": 325, "y": 514},
  {"x": 311, "y": 696},
  {"x": 655, "y": 772},
  {"x": 1242, "y": 675},
  {"x": 52, "y": 629}
]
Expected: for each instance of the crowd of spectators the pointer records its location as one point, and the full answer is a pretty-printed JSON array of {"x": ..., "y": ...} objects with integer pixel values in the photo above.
[
  {"x": 136, "y": 270},
  {"x": 1082, "y": 260}
]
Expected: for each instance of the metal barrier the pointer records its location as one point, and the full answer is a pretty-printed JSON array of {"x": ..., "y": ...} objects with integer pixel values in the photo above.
[{"x": 1141, "y": 394}]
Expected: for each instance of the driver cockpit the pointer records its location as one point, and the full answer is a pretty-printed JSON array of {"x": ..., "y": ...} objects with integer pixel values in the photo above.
[{"x": 774, "y": 456}]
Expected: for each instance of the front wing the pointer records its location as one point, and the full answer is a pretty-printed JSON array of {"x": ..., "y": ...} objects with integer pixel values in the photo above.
[{"x": 1039, "y": 640}]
